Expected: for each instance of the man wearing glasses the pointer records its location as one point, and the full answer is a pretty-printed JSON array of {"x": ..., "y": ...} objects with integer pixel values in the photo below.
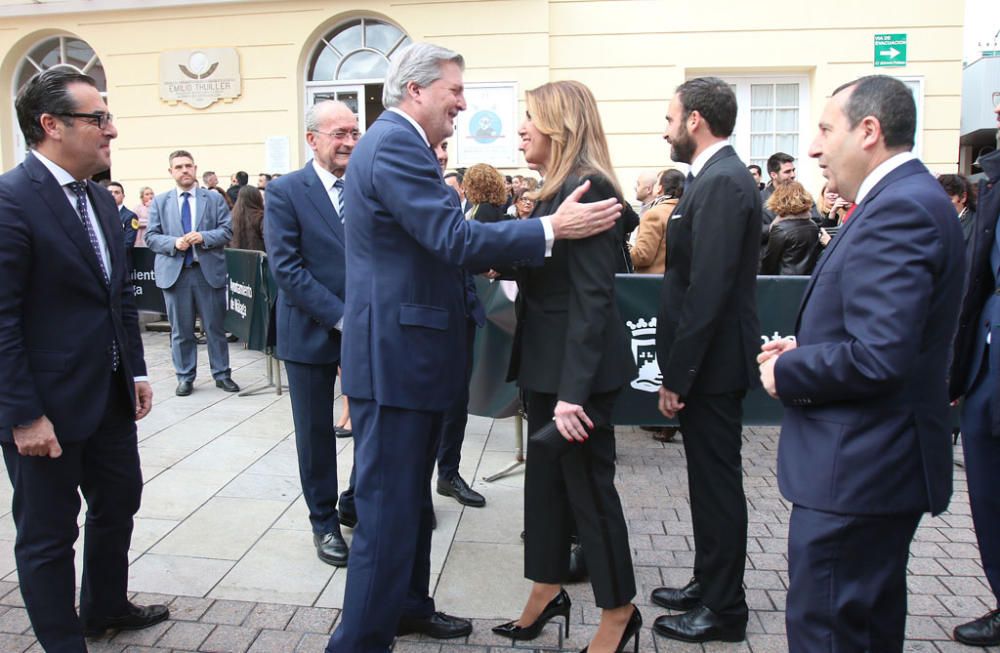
[
  {"x": 304, "y": 233},
  {"x": 72, "y": 375}
]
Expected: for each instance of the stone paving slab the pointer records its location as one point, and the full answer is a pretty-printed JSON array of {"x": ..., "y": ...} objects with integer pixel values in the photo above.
[{"x": 223, "y": 538}]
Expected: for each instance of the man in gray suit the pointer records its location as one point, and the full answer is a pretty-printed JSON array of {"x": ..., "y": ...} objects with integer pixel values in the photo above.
[{"x": 189, "y": 228}]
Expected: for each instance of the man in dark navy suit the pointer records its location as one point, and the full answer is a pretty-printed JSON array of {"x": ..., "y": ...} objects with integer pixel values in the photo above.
[
  {"x": 72, "y": 375},
  {"x": 865, "y": 444},
  {"x": 404, "y": 341},
  {"x": 976, "y": 375},
  {"x": 304, "y": 233}
]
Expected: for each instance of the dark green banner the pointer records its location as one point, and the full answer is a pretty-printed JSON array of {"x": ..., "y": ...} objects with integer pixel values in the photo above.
[
  {"x": 638, "y": 302},
  {"x": 147, "y": 296},
  {"x": 246, "y": 307}
]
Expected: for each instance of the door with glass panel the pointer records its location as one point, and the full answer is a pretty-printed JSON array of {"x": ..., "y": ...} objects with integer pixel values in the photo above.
[{"x": 351, "y": 95}]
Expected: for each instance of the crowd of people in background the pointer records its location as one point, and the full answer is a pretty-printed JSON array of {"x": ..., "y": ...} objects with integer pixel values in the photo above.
[{"x": 864, "y": 385}]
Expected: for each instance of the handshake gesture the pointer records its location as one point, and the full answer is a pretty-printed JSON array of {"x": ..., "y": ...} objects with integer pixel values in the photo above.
[{"x": 187, "y": 240}]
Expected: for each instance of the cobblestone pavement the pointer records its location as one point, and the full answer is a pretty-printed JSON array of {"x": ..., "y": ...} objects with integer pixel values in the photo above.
[{"x": 223, "y": 538}]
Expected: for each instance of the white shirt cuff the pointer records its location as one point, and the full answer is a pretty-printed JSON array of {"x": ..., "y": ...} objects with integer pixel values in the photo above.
[
  {"x": 550, "y": 235},
  {"x": 140, "y": 378}
]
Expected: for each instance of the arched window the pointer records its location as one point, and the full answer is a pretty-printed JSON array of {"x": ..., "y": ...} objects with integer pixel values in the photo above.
[
  {"x": 356, "y": 50},
  {"x": 62, "y": 51},
  {"x": 54, "y": 52},
  {"x": 350, "y": 62}
]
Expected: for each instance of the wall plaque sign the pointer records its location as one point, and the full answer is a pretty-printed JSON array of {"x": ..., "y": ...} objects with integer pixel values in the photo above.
[{"x": 200, "y": 78}]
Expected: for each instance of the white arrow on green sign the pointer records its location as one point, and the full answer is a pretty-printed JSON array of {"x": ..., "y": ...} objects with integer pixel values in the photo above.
[{"x": 890, "y": 50}]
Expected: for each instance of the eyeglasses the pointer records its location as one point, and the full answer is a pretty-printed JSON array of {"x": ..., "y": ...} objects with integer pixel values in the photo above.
[
  {"x": 102, "y": 120},
  {"x": 340, "y": 133},
  {"x": 525, "y": 200}
]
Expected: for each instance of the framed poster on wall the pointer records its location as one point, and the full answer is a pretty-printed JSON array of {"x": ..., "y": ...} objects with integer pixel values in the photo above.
[{"x": 486, "y": 132}]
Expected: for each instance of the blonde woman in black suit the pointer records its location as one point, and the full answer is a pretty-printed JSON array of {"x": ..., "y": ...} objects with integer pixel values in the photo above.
[{"x": 571, "y": 357}]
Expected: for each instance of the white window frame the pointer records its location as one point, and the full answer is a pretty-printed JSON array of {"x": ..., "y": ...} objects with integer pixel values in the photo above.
[
  {"x": 918, "y": 99},
  {"x": 741, "y": 133}
]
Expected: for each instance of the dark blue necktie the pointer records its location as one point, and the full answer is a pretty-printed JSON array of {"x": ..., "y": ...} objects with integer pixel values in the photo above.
[
  {"x": 186, "y": 225},
  {"x": 689, "y": 180}
]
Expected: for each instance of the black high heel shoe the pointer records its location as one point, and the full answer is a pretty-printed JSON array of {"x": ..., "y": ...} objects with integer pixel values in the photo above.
[
  {"x": 631, "y": 630},
  {"x": 557, "y": 607}
]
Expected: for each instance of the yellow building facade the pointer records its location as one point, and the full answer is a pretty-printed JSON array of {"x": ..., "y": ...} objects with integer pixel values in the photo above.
[{"x": 783, "y": 60}]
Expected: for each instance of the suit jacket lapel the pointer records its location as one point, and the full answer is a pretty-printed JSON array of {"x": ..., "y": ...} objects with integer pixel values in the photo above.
[
  {"x": 171, "y": 215},
  {"x": 844, "y": 229},
  {"x": 905, "y": 170},
  {"x": 55, "y": 197},
  {"x": 199, "y": 221},
  {"x": 320, "y": 198},
  {"x": 111, "y": 227}
]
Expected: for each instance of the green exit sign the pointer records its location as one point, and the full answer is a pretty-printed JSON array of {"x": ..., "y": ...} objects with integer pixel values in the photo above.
[{"x": 890, "y": 50}]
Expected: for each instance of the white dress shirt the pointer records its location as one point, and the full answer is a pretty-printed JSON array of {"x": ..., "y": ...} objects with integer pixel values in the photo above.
[
  {"x": 879, "y": 173},
  {"x": 706, "y": 154},
  {"x": 328, "y": 179}
]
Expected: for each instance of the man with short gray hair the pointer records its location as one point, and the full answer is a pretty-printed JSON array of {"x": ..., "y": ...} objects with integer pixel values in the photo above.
[
  {"x": 404, "y": 342},
  {"x": 305, "y": 249}
]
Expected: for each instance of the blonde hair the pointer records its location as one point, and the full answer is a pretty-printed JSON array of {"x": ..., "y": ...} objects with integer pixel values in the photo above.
[
  {"x": 566, "y": 112},
  {"x": 790, "y": 199},
  {"x": 484, "y": 184}
]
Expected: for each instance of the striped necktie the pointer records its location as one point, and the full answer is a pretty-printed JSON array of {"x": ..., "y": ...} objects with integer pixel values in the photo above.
[
  {"x": 79, "y": 188},
  {"x": 339, "y": 185}
]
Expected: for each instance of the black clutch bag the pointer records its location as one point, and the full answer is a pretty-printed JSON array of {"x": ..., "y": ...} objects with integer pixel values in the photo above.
[{"x": 549, "y": 440}]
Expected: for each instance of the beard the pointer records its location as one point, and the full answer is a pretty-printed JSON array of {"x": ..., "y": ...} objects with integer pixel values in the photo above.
[{"x": 682, "y": 147}]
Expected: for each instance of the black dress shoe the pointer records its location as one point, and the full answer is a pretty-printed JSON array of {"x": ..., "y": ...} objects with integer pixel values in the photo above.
[
  {"x": 701, "y": 625},
  {"x": 331, "y": 548},
  {"x": 184, "y": 388},
  {"x": 984, "y": 631},
  {"x": 227, "y": 384},
  {"x": 439, "y": 626},
  {"x": 682, "y": 600},
  {"x": 348, "y": 519},
  {"x": 557, "y": 607},
  {"x": 456, "y": 488},
  {"x": 666, "y": 434},
  {"x": 137, "y": 617},
  {"x": 341, "y": 432}
]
